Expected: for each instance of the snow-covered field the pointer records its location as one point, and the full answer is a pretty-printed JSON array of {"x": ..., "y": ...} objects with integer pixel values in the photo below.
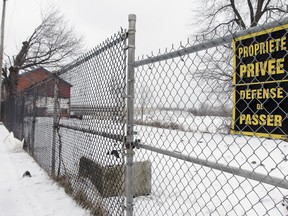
[
  {"x": 184, "y": 188},
  {"x": 178, "y": 187},
  {"x": 187, "y": 121},
  {"x": 35, "y": 196}
]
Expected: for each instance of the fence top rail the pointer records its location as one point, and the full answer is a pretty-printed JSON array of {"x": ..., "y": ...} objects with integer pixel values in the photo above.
[{"x": 210, "y": 44}]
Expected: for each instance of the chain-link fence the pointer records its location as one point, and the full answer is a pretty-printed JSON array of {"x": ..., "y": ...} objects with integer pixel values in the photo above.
[
  {"x": 90, "y": 143},
  {"x": 199, "y": 129},
  {"x": 73, "y": 125},
  {"x": 213, "y": 141}
]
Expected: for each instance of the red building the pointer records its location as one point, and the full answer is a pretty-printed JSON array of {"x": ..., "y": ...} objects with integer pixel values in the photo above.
[{"x": 39, "y": 84}]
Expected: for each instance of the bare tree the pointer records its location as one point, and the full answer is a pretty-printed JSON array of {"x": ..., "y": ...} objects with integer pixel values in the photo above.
[
  {"x": 50, "y": 45},
  {"x": 145, "y": 98},
  {"x": 221, "y": 17},
  {"x": 116, "y": 87}
]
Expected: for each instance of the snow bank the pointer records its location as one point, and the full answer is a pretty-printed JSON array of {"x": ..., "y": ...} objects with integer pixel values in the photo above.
[
  {"x": 24, "y": 196},
  {"x": 13, "y": 144}
]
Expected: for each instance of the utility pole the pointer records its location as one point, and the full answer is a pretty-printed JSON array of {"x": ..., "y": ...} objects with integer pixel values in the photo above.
[{"x": 1, "y": 53}]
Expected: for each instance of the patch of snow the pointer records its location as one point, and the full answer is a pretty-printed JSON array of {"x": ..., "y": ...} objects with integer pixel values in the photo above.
[
  {"x": 189, "y": 189},
  {"x": 13, "y": 144},
  {"x": 24, "y": 196}
]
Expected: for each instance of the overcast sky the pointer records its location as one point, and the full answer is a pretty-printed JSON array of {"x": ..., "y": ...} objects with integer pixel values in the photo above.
[{"x": 159, "y": 22}]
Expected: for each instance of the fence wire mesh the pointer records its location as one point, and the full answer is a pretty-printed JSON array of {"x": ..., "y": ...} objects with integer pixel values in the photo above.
[
  {"x": 90, "y": 142},
  {"x": 210, "y": 125},
  {"x": 73, "y": 125},
  {"x": 186, "y": 104}
]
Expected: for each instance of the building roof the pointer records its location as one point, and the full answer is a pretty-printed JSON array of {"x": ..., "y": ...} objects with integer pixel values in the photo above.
[{"x": 30, "y": 78}]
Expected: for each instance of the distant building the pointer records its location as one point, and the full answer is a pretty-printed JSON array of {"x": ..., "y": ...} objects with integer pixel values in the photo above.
[{"x": 41, "y": 94}]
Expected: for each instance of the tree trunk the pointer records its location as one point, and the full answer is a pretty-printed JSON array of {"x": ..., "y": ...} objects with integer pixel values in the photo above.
[{"x": 12, "y": 84}]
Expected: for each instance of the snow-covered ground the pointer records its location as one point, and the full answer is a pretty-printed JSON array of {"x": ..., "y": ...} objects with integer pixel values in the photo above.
[
  {"x": 184, "y": 188},
  {"x": 35, "y": 196},
  {"x": 178, "y": 187}
]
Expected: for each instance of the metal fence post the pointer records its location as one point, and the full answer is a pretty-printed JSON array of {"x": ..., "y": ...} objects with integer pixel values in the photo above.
[
  {"x": 55, "y": 115},
  {"x": 34, "y": 108},
  {"x": 130, "y": 115},
  {"x": 22, "y": 118}
]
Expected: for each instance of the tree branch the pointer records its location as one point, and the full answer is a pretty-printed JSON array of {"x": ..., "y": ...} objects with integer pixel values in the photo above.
[
  {"x": 50, "y": 45},
  {"x": 239, "y": 19},
  {"x": 251, "y": 11}
]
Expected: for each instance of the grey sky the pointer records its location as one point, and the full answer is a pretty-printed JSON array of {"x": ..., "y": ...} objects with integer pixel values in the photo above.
[{"x": 159, "y": 22}]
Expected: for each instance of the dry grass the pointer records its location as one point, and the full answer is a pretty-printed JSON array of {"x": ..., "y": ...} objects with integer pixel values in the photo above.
[
  {"x": 97, "y": 208},
  {"x": 64, "y": 182}
]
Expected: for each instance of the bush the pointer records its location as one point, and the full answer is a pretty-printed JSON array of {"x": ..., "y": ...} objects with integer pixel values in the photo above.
[
  {"x": 158, "y": 124},
  {"x": 208, "y": 110}
]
